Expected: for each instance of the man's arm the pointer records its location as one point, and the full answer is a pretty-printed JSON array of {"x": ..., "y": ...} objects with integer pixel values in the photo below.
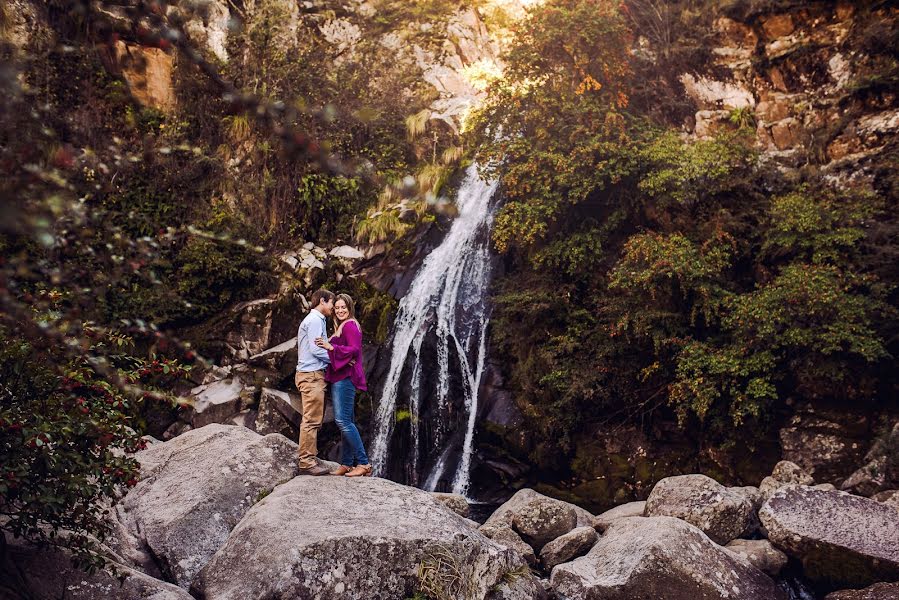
[{"x": 316, "y": 330}]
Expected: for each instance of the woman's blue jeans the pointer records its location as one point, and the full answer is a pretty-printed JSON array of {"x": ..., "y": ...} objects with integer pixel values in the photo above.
[{"x": 343, "y": 393}]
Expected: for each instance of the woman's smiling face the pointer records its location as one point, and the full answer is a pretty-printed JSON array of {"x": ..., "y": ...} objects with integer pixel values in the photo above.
[{"x": 341, "y": 310}]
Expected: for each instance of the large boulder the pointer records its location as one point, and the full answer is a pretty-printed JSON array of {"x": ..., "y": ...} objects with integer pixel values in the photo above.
[
  {"x": 333, "y": 537},
  {"x": 761, "y": 554},
  {"x": 720, "y": 513},
  {"x": 878, "y": 591},
  {"x": 661, "y": 558},
  {"x": 505, "y": 514},
  {"x": 30, "y": 572},
  {"x": 602, "y": 521},
  {"x": 539, "y": 522},
  {"x": 196, "y": 488},
  {"x": 841, "y": 539},
  {"x": 505, "y": 536},
  {"x": 576, "y": 542}
]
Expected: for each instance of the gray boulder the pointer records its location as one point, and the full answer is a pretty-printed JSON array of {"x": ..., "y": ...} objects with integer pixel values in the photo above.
[
  {"x": 661, "y": 558},
  {"x": 505, "y": 536},
  {"x": 576, "y": 542},
  {"x": 538, "y": 519},
  {"x": 30, "y": 572},
  {"x": 602, "y": 521},
  {"x": 841, "y": 539},
  {"x": 539, "y": 522},
  {"x": 455, "y": 502},
  {"x": 720, "y": 513},
  {"x": 785, "y": 473},
  {"x": 878, "y": 591},
  {"x": 761, "y": 554},
  {"x": 196, "y": 488},
  {"x": 506, "y": 512},
  {"x": 217, "y": 402},
  {"x": 333, "y": 537}
]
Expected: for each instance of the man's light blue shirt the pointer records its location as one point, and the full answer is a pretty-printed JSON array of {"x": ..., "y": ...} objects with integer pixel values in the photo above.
[{"x": 309, "y": 356}]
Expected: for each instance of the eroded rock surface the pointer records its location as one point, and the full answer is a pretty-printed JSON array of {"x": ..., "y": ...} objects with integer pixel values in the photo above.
[
  {"x": 197, "y": 487},
  {"x": 331, "y": 537},
  {"x": 841, "y": 539},
  {"x": 878, "y": 591},
  {"x": 660, "y": 557},
  {"x": 761, "y": 554},
  {"x": 719, "y": 512},
  {"x": 576, "y": 542}
]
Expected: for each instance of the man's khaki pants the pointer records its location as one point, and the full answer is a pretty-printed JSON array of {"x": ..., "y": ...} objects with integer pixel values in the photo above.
[{"x": 312, "y": 392}]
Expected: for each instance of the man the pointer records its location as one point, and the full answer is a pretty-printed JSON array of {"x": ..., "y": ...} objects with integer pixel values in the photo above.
[{"x": 310, "y": 379}]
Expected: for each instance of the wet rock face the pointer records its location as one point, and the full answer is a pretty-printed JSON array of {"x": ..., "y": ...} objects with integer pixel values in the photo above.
[
  {"x": 333, "y": 538},
  {"x": 660, "y": 557},
  {"x": 719, "y": 512},
  {"x": 196, "y": 488},
  {"x": 842, "y": 540}
]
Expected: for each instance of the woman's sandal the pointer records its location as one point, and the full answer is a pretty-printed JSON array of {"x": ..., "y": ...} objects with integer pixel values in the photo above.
[
  {"x": 341, "y": 470},
  {"x": 360, "y": 471}
]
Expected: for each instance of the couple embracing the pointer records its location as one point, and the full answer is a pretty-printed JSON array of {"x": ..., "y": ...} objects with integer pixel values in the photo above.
[{"x": 336, "y": 360}]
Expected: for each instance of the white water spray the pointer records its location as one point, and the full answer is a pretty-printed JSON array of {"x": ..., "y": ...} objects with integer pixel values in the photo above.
[{"x": 448, "y": 292}]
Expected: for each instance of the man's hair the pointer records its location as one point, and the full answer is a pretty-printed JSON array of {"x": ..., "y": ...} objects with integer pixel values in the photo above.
[{"x": 320, "y": 295}]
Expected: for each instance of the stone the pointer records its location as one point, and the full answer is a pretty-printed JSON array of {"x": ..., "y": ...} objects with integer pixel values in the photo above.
[
  {"x": 208, "y": 25},
  {"x": 505, "y": 536},
  {"x": 148, "y": 72},
  {"x": 828, "y": 442},
  {"x": 455, "y": 502},
  {"x": 778, "y": 26},
  {"x": 505, "y": 513},
  {"x": 878, "y": 591},
  {"x": 632, "y": 509},
  {"x": 246, "y": 418},
  {"x": 331, "y": 538},
  {"x": 786, "y": 133},
  {"x": 197, "y": 487},
  {"x": 216, "y": 402},
  {"x": 719, "y": 512},
  {"x": 660, "y": 557},
  {"x": 711, "y": 94},
  {"x": 539, "y": 522},
  {"x": 709, "y": 122},
  {"x": 785, "y": 473},
  {"x": 280, "y": 359},
  {"x": 761, "y": 554},
  {"x": 48, "y": 573},
  {"x": 881, "y": 472},
  {"x": 564, "y": 548},
  {"x": 347, "y": 252},
  {"x": 842, "y": 540},
  {"x": 889, "y": 497}
]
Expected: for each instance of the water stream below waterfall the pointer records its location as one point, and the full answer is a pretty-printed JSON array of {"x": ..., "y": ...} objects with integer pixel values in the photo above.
[{"x": 427, "y": 410}]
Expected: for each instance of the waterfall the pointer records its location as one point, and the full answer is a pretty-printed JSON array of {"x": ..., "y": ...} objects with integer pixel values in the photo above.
[{"x": 446, "y": 306}]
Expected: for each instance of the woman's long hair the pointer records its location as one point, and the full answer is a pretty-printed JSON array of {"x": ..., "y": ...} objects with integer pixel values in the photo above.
[{"x": 351, "y": 308}]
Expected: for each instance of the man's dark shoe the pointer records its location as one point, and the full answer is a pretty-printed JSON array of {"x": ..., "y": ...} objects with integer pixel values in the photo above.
[{"x": 317, "y": 469}]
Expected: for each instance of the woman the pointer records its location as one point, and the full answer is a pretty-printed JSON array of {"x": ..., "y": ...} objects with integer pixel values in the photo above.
[{"x": 346, "y": 375}]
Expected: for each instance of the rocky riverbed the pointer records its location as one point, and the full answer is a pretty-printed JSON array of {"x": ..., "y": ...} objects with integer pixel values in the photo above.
[{"x": 221, "y": 513}]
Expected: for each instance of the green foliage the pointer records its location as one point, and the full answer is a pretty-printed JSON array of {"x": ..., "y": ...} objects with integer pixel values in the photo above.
[
  {"x": 66, "y": 439},
  {"x": 680, "y": 172},
  {"x": 326, "y": 205},
  {"x": 213, "y": 273}
]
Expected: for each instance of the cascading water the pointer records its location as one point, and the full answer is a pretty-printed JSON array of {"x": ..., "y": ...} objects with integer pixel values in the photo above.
[{"x": 445, "y": 307}]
